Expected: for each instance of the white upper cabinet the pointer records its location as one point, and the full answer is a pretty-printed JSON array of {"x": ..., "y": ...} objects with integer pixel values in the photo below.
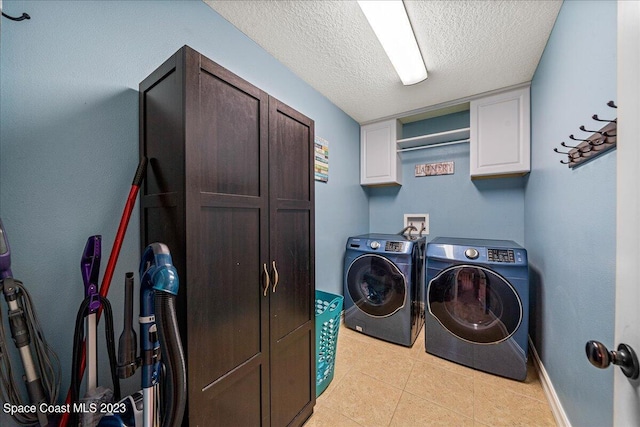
[
  {"x": 379, "y": 160},
  {"x": 500, "y": 134}
]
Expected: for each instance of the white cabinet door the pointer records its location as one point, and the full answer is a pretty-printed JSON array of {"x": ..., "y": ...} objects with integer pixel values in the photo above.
[
  {"x": 500, "y": 134},
  {"x": 379, "y": 160}
]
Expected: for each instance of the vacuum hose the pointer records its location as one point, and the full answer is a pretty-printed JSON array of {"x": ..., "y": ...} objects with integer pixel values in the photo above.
[{"x": 175, "y": 386}]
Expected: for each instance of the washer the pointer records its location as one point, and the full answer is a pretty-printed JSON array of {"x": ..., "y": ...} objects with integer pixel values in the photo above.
[
  {"x": 477, "y": 303},
  {"x": 383, "y": 285}
]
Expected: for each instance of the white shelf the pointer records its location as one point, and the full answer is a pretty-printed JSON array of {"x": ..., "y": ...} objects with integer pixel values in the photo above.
[{"x": 425, "y": 141}]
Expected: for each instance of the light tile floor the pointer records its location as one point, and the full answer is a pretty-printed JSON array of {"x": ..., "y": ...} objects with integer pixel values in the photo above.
[{"x": 382, "y": 384}]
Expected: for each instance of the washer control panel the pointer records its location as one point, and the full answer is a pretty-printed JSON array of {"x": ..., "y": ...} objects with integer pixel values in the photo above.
[
  {"x": 394, "y": 246},
  {"x": 383, "y": 243},
  {"x": 501, "y": 255}
]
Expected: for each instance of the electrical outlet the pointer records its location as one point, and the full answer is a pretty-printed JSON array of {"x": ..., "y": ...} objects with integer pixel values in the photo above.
[{"x": 419, "y": 221}]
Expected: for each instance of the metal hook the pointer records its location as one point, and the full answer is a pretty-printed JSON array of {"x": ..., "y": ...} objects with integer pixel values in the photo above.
[
  {"x": 581, "y": 149},
  {"x": 566, "y": 163},
  {"x": 612, "y": 104},
  {"x": 578, "y": 139},
  {"x": 573, "y": 155},
  {"x": 602, "y": 140},
  {"x": 605, "y": 134},
  {"x": 568, "y": 146},
  {"x": 19, "y": 18},
  {"x": 595, "y": 117}
]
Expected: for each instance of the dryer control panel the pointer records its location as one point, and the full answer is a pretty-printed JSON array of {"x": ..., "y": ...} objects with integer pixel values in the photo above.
[{"x": 503, "y": 252}]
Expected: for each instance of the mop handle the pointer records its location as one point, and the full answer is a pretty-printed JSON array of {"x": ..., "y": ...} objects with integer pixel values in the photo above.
[
  {"x": 122, "y": 228},
  {"x": 111, "y": 265}
]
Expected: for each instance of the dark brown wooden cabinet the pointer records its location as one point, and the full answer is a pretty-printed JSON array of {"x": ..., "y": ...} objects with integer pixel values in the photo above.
[{"x": 230, "y": 190}]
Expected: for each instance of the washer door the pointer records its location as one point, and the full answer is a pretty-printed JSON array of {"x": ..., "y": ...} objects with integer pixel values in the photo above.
[
  {"x": 376, "y": 285},
  {"x": 475, "y": 304}
]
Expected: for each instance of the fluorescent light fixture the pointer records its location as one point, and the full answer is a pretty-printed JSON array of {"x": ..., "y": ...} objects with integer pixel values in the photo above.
[{"x": 390, "y": 22}]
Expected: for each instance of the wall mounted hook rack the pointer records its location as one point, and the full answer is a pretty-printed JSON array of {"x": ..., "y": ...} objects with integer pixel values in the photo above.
[{"x": 600, "y": 141}]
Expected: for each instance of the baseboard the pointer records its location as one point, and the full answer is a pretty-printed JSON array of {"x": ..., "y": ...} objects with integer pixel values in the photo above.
[{"x": 549, "y": 391}]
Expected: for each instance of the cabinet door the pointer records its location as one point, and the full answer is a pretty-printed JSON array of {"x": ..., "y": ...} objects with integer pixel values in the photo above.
[
  {"x": 500, "y": 134},
  {"x": 379, "y": 160},
  {"x": 227, "y": 220},
  {"x": 292, "y": 316}
]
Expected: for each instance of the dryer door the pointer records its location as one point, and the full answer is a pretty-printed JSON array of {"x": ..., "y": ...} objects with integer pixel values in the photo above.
[
  {"x": 475, "y": 304},
  {"x": 376, "y": 285}
]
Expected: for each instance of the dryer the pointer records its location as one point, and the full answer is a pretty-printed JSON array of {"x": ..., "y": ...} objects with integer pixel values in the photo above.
[
  {"x": 383, "y": 285},
  {"x": 477, "y": 304}
]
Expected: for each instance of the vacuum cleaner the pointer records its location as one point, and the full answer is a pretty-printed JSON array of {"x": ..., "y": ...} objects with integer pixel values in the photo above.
[
  {"x": 162, "y": 358},
  {"x": 87, "y": 411},
  {"x": 42, "y": 373}
]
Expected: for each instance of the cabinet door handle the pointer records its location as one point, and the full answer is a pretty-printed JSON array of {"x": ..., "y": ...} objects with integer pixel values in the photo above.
[
  {"x": 267, "y": 280},
  {"x": 276, "y": 277}
]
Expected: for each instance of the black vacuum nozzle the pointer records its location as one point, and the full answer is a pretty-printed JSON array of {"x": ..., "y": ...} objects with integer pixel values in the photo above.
[{"x": 128, "y": 343}]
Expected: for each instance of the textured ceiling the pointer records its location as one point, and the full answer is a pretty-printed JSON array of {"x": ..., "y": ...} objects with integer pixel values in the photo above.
[{"x": 469, "y": 47}]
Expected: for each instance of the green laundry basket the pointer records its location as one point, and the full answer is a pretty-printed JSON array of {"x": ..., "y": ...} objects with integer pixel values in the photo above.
[{"x": 328, "y": 308}]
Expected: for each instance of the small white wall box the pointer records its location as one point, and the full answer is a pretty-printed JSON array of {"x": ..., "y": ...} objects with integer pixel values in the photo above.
[{"x": 419, "y": 221}]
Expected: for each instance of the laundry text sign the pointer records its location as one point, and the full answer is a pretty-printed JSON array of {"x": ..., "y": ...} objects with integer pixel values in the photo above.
[{"x": 432, "y": 169}]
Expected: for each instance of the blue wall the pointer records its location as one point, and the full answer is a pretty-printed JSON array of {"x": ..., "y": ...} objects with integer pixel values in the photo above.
[
  {"x": 457, "y": 206},
  {"x": 570, "y": 214},
  {"x": 69, "y": 140}
]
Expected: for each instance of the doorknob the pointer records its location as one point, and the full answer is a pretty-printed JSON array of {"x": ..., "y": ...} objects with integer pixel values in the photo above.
[{"x": 625, "y": 357}]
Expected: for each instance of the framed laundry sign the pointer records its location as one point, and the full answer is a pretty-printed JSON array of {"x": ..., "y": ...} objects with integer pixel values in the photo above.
[
  {"x": 321, "y": 164},
  {"x": 433, "y": 169}
]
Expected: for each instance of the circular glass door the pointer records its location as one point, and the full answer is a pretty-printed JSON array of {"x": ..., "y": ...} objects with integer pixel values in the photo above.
[
  {"x": 475, "y": 304},
  {"x": 376, "y": 285}
]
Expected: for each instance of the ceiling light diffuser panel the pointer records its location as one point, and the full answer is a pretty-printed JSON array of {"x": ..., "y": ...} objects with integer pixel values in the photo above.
[{"x": 390, "y": 22}]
